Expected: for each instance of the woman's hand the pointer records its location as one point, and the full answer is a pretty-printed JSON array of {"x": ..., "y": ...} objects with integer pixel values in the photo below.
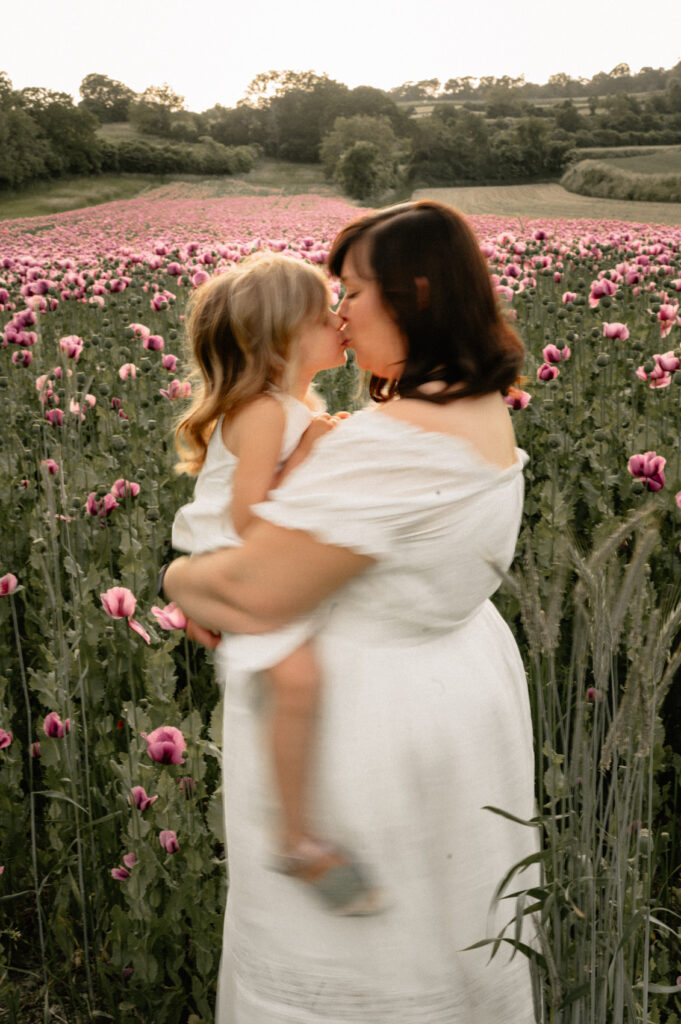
[
  {"x": 202, "y": 636},
  {"x": 320, "y": 425}
]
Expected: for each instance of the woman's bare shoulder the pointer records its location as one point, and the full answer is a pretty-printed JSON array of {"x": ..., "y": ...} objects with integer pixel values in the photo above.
[{"x": 483, "y": 420}]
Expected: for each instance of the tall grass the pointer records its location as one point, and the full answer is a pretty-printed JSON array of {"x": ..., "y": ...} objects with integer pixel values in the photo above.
[{"x": 602, "y": 650}]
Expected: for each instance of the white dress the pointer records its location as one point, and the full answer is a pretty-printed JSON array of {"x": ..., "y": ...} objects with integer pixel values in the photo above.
[
  {"x": 206, "y": 524},
  {"x": 424, "y": 721}
]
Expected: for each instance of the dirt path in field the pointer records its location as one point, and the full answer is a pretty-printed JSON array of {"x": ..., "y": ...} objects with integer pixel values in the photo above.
[{"x": 540, "y": 201}]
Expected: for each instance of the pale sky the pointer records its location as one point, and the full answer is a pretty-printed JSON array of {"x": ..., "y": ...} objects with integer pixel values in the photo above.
[{"x": 209, "y": 52}]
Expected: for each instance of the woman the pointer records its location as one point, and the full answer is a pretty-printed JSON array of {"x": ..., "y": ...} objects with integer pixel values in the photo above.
[{"x": 394, "y": 529}]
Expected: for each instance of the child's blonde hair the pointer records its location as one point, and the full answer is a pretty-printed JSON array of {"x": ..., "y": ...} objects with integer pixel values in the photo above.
[{"x": 240, "y": 327}]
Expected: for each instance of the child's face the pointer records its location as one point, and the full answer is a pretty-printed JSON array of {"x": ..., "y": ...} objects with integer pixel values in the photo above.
[{"x": 320, "y": 344}]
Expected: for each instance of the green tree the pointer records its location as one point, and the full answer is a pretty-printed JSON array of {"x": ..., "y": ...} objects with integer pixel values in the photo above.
[
  {"x": 568, "y": 117},
  {"x": 298, "y": 118},
  {"x": 24, "y": 152},
  {"x": 106, "y": 98},
  {"x": 70, "y": 133},
  {"x": 346, "y": 132},
  {"x": 673, "y": 95},
  {"x": 360, "y": 170},
  {"x": 239, "y": 126},
  {"x": 152, "y": 112}
]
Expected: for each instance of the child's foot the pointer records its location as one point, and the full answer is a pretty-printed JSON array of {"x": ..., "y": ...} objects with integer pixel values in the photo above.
[{"x": 334, "y": 875}]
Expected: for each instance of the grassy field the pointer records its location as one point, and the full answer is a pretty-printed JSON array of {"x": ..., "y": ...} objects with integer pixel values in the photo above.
[
  {"x": 665, "y": 160},
  {"x": 269, "y": 177},
  {"x": 73, "y": 193},
  {"x": 529, "y": 201}
]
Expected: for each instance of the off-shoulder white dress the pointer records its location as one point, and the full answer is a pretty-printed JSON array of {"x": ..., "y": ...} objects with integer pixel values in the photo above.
[{"x": 425, "y": 720}]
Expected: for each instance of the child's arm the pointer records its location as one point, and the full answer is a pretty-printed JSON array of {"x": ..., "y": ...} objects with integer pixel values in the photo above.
[{"x": 255, "y": 437}]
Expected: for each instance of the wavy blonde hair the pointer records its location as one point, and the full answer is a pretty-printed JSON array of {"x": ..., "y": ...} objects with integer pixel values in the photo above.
[{"x": 240, "y": 329}]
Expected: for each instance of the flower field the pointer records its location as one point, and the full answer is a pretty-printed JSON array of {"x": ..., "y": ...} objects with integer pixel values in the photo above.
[{"x": 112, "y": 857}]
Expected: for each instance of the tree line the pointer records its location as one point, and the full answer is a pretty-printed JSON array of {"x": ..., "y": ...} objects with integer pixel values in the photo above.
[
  {"x": 43, "y": 135},
  {"x": 559, "y": 86},
  {"x": 369, "y": 141}
]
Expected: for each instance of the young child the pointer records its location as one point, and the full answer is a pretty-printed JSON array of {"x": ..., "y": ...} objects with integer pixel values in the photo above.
[{"x": 258, "y": 334}]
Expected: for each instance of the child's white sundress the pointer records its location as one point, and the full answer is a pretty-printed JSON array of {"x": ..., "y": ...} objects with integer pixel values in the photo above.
[{"x": 206, "y": 524}]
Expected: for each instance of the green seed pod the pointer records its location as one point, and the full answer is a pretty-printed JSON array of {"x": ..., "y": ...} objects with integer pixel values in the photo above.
[
  {"x": 118, "y": 443},
  {"x": 602, "y": 359},
  {"x": 153, "y": 514},
  {"x": 637, "y": 487}
]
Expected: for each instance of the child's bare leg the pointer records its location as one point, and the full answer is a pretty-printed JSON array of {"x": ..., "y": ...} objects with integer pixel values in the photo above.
[
  {"x": 295, "y": 683},
  {"x": 335, "y": 875}
]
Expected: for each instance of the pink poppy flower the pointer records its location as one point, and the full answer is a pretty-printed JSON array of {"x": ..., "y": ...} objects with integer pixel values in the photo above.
[
  {"x": 568, "y": 297},
  {"x": 176, "y": 389},
  {"x": 24, "y": 358},
  {"x": 122, "y": 487},
  {"x": 120, "y": 874},
  {"x": 138, "y": 796},
  {"x": 130, "y": 860},
  {"x": 553, "y": 354},
  {"x": 516, "y": 398},
  {"x": 140, "y": 331},
  {"x": 657, "y": 378},
  {"x": 165, "y": 745},
  {"x": 119, "y": 602},
  {"x": 168, "y": 840},
  {"x": 170, "y": 617},
  {"x": 616, "y": 330},
  {"x": 51, "y": 466},
  {"x": 54, "y": 727},
  {"x": 55, "y": 417},
  {"x": 5, "y": 739},
  {"x": 169, "y": 362},
  {"x": 668, "y": 316},
  {"x": 200, "y": 277},
  {"x": 127, "y": 370},
  {"x": 547, "y": 371},
  {"x": 668, "y": 361},
  {"x": 677, "y": 498},
  {"x": 594, "y": 695},
  {"x": 35, "y": 749},
  {"x": 648, "y": 467},
  {"x": 72, "y": 346},
  {"x": 599, "y": 289},
  {"x": 154, "y": 342},
  {"x": 8, "y": 584},
  {"x": 101, "y": 508}
]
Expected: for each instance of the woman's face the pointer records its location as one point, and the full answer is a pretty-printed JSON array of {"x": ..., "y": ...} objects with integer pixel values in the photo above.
[{"x": 368, "y": 328}]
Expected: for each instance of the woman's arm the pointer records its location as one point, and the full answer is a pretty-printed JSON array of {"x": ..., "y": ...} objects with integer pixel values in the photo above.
[{"x": 276, "y": 575}]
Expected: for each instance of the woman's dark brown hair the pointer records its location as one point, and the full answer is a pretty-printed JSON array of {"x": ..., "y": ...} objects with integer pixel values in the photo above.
[{"x": 436, "y": 284}]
